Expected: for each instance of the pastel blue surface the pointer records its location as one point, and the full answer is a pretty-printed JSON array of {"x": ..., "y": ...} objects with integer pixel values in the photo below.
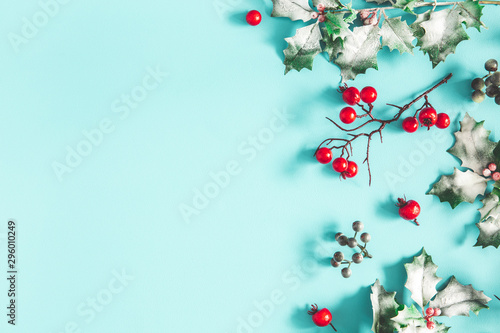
[{"x": 102, "y": 243}]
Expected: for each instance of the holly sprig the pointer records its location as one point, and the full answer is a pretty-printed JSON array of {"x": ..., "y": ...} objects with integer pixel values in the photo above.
[
  {"x": 455, "y": 299},
  {"x": 354, "y": 48},
  {"x": 478, "y": 155}
]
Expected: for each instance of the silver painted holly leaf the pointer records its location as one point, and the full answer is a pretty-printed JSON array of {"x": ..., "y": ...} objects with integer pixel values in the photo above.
[
  {"x": 458, "y": 300},
  {"x": 406, "y": 5},
  {"x": 332, "y": 46},
  {"x": 329, "y": 4},
  {"x": 459, "y": 187},
  {"x": 422, "y": 279},
  {"x": 473, "y": 146},
  {"x": 360, "y": 52},
  {"x": 471, "y": 13},
  {"x": 440, "y": 328},
  {"x": 385, "y": 307},
  {"x": 293, "y": 9},
  {"x": 442, "y": 32},
  {"x": 410, "y": 316},
  {"x": 335, "y": 24},
  {"x": 396, "y": 34},
  {"x": 489, "y": 225},
  {"x": 302, "y": 48},
  {"x": 378, "y": 1}
]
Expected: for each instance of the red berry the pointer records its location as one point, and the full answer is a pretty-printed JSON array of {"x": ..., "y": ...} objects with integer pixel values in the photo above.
[
  {"x": 320, "y": 7},
  {"x": 496, "y": 176},
  {"x": 492, "y": 167},
  {"x": 431, "y": 325},
  {"x": 322, "y": 18},
  {"x": 351, "y": 96},
  {"x": 427, "y": 117},
  {"x": 410, "y": 124},
  {"x": 254, "y": 17},
  {"x": 437, "y": 312},
  {"x": 408, "y": 210},
  {"x": 322, "y": 318},
  {"x": 368, "y": 95},
  {"x": 324, "y": 155},
  {"x": 443, "y": 120},
  {"x": 352, "y": 169},
  {"x": 347, "y": 115},
  {"x": 429, "y": 312},
  {"x": 339, "y": 164}
]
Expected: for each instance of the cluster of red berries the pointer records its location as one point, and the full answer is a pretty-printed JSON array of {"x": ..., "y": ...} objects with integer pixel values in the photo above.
[
  {"x": 321, "y": 15},
  {"x": 491, "y": 170},
  {"x": 321, "y": 317},
  {"x": 347, "y": 169},
  {"x": 428, "y": 117},
  {"x": 429, "y": 313},
  {"x": 352, "y": 96}
]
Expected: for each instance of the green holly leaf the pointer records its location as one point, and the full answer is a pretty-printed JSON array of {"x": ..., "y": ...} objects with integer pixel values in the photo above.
[
  {"x": 471, "y": 12},
  {"x": 473, "y": 146},
  {"x": 385, "y": 307},
  {"x": 396, "y": 34},
  {"x": 422, "y": 279},
  {"x": 458, "y": 300},
  {"x": 360, "y": 52},
  {"x": 440, "y": 328},
  {"x": 302, "y": 48},
  {"x": 410, "y": 316},
  {"x": 442, "y": 32},
  {"x": 459, "y": 187},
  {"x": 332, "y": 46},
  {"x": 293, "y": 9},
  {"x": 335, "y": 24},
  {"x": 489, "y": 224},
  {"x": 406, "y": 5},
  {"x": 353, "y": 13}
]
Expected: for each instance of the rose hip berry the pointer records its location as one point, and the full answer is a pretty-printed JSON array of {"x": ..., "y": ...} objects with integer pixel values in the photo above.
[
  {"x": 254, "y": 17},
  {"x": 368, "y": 95},
  {"x": 351, "y": 96},
  {"x": 410, "y": 124},
  {"x": 347, "y": 115},
  {"x": 352, "y": 170},
  {"x": 321, "y": 317},
  {"x": 408, "y": 210},
  {"x": 324, "y": 155},
  {"x": 339, "y": 164},
  {"x": 427, "y": 117},
  {"x": 443, "y": 120}
]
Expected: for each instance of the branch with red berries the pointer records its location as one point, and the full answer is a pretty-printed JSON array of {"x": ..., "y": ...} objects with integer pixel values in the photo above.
[{"x": 426, "y": 116}]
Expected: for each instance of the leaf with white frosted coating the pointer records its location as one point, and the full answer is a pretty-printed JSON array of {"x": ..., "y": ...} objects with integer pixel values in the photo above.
[
  {"x": 440, "y": 328},
  {"x": 471, "y": 12},
  {"x": 385, "y": 307},
  {"x": 458, "y": 300},
  {"x": 473, "y": 146},
  {"x": 396, "y": 34},
  {"x": 410, "y": 316},
  {"x": 378, "y": 1},
  {"x": 360, "y": 52},
  {"x": 293, "y": 9},
  {"x": 329, "y": 4},
  {"x": 459, "y": 187},
  {"x": 422, "y": 279},
  {"x": 332, "y": 46},
  {"x": 489, "y": 225},
  {"x": 302, "y": 48},
  {"x": 406, "y": 5},
  {"x": 442, "y": 32}
]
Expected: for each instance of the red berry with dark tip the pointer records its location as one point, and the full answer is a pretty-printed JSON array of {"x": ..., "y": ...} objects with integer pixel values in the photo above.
[
  {"x": 410, "y": 124},
  {"x": 427, "y": 117},
  {"x": 351, "y": 96},
  {"x": 324, "y": 155},
  {"x": 368, "y": 95},
  {"x": 347, "y": 115},
  {"x": 408, "y": 210}
]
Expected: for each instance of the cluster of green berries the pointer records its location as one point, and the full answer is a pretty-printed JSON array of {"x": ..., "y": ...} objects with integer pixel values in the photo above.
[{"x": 491, "y": 81}]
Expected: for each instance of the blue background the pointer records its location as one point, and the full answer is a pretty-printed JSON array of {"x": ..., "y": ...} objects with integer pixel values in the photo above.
[{"x": 266, "y": 235}]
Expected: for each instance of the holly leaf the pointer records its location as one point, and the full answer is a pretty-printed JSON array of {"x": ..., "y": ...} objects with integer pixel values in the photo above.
[
  {"x": 332, "y": 46},
  {"x": 459, "y": 187},
  {"x": 406, "y": 5},
  {"x": 458, "y": 300},
  {"x": 442, "y": 32},
  {"x": 396, "y": 34},
  {"x": 471, "y": 13},
  {"x": 385, "y": 307},
  {"x": 329, "y": 4},
  {"x": 473, "y": 146},
  {"x": 378, "y": 1},
  {"x": 293, "y": 9},
  {"x": 302, "y": 48},
  {"x": 422, "y": 279},
  {"x": 410, "y": 316},
  {"x": 335, "y": 24},
  {"x": 440, "y": 328},
  {"x": 489, "y": 225},
  {"x": 360, "y": 52}
]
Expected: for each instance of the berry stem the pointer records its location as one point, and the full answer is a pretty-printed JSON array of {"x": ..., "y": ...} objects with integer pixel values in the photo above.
[
  {"x": 333, "y": 327},
  {"x": 346, "y": 148},
  {"x": 364, "y": 251}
]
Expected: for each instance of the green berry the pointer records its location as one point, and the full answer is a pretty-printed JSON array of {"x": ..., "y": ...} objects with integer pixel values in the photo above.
[
  {"x": 352, "y": 242},
  {"x": 338, "y": 256},
  {"x": 346, "y": 272},
  {"x": 365, "y": 237},
  {"x": 478, "y": 96},
  {"x": 357, "y": 226},
  {"x": 491, "y": 65},
  {"x": 477, "y": 84}
]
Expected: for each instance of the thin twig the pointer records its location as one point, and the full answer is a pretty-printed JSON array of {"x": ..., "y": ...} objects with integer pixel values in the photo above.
[{"x": 421, "y": 4}]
